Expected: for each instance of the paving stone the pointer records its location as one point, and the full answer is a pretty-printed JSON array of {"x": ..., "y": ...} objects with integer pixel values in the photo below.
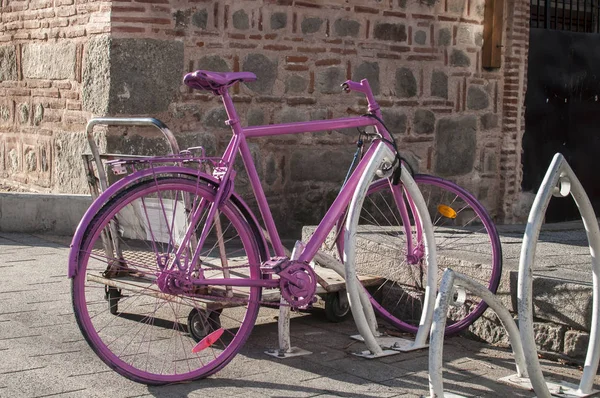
[
  {"x": 406, "y": 83},
  {"x": 456, "y": 145},
  {"x": 200, "y": 18},
  {"x": 576, "y": 343},
  {"x": 439, "y": 84},
  {"x": 240, "y": 20},
  {"x": 369, "y": 71},
  {"x": 278, "y": 20},
  {"x": 548, "y": 336},
  {"x": 8, "y": 63},
  {"x": 424, "y": 121},
  {"x": 389, "y": 31},
  {"x": 346, "y": 27},
  {"x": 329, "y": 80},
  {"x": 311, "y": 25},
  {"x": 477, "y": 99},
  {"x": 265, "y": 70}
]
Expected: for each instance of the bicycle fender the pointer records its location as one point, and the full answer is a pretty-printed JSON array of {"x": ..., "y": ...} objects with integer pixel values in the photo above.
[{"x": 73, "y": 261}]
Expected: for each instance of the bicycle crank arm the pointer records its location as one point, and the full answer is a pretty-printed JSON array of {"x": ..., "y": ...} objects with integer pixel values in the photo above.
[{"x": 266, "y": 283}]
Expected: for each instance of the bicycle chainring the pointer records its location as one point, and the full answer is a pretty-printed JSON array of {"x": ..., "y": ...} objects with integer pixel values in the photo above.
[{"x": 298, "y": 284}]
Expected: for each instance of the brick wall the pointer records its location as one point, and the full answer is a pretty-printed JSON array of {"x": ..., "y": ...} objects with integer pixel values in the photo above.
[
  {"x": 41, "y": 47},
  {"x": 423, "y": 59}
]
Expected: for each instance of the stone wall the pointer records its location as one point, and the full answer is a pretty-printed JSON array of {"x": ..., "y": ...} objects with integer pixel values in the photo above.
[
  {"x": 41, "y": 118},
  {"x": 450, "y": 116}
]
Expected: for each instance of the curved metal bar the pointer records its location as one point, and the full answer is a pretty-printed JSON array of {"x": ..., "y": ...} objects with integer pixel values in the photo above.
[
  {"x": 436, "y": 340},
  {"x": 352, "y": 284},
  {"x": 559, "y": 171},
  {"x": 124, "y": 121}
]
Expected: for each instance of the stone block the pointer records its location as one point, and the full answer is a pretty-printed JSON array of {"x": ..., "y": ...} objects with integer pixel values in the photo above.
[
  {"x": 216, "y": 118},
  {"x": 395, "y": 121},
  {"x": 477, "y": 99},
  {"x": 329, "y": 80},
  {"x": 49, "y": 60},
  {"x": 311, "y": 25},
  {"x": 200, "y": 19},
  {"x": 306, "y": 164},
  {"x": 190, "y": 139},
  {"x": 291, "y": 115},
  {"x": 96, "y": 76},
  {"x": 271, "y": 170},
  {"x": 456, "y": 145},
  {"x": 346, "y": 27},
  {"x": 30, "y": 160},
  {"x": 67, "y": 171},
  {"x": 548, "y": 336},
  {"x": 278, "y": 20},
  {"x": 576, "y": 344},
  {"x": 439, "y": 84},
  {"x": 369, "y": 71},
  {"x": 444, "y": 37},
  {"x": 24, "y": 113},
  {"x": 295, "y": 84},
  {"x": 489, "y": 121},
  {"x": 424, "y": 122},
  {"x": 213, "y": 63},
  {"x": 240, "y": 20},
  {"x": 489, "y": 328},
  {"x": 464, "y": 35},
  {"x": 5, "y": 112},
  {"x": 145, "y": 75},
  {"x": 390, "y": 31},
  {"x": 459, "y": 58},
  {"x": 256, "y": 117},
  {"x": 182, "y": 18},
  {"x": 8, "y": 63},
  {"x": 38, "y": 114},
  {"x": 265, "y": 71},
  {"x": 406, "y": 83},
  {"x": 420, "y": 37}
]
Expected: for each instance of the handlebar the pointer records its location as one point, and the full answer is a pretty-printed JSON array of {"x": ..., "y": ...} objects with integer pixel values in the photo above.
[{"x": 362, "y": 87}]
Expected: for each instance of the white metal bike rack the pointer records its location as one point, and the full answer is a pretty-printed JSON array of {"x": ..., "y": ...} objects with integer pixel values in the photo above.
[
  {"x": 560, "y": 181},
  {"x": 362, "y": 309}
]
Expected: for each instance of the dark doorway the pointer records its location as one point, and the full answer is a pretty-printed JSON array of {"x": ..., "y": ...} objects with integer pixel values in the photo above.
[{"x": 563, "y": 101}]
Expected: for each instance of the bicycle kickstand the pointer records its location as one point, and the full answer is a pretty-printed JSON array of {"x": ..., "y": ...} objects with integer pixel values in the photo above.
[{"x": 283, "y": 323}]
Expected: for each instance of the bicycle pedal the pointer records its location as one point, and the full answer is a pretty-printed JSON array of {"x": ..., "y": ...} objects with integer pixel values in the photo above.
[{"x": 274, "y": 265}]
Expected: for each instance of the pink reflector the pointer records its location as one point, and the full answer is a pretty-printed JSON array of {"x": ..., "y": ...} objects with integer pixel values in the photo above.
[{"x": 208, "y": 340}]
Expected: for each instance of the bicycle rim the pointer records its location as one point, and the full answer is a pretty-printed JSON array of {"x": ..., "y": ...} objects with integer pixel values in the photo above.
[
  {"x": 147, "y": 328},
  {"x": 466, "y": 241}
]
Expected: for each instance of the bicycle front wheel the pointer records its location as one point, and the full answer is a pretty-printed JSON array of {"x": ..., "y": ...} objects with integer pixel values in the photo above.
[
  {"x": 466, "y": 240},
  {"x": 134, "y": 301}
]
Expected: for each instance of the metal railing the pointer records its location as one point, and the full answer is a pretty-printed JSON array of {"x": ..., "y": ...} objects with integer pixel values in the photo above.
[{"x": 570, "y": 15}]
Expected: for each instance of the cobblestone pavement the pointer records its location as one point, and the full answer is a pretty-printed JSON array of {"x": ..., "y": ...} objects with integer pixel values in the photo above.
[{"x": 43, "y": 354}]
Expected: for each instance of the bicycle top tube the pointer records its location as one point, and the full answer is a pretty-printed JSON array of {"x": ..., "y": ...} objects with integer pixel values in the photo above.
[{"x": 218, "y": 83}]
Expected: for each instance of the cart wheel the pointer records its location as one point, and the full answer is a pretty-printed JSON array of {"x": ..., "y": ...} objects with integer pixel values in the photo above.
[
  {"x": 337, "y": 307},
  {"x": 113, "y": 295},
  {"x": 200, "y": 324}
]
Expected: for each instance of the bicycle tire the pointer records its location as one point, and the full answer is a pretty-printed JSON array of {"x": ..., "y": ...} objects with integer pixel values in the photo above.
[
  {"x": 394, "y": 299},
  {"x": 146, "y": 341}
]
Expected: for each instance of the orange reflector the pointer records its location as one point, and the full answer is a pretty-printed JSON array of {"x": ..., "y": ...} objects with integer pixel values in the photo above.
[
  {"x": 208, "y": 340},
  {"x": 446, "y": 211}
]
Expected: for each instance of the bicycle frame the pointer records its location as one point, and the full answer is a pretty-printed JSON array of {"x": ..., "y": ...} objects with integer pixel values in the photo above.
[{"x": 239, "y": 144}]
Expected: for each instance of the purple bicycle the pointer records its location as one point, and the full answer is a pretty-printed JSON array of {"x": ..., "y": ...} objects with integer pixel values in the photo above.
[{"x": 169, "y": 264}]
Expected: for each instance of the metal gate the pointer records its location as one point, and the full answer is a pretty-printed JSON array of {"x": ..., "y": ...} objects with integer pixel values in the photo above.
[{"x": 563, "y": 97}]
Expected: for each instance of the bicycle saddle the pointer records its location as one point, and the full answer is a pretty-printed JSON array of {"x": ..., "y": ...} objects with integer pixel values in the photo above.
[{"x": 214, "y": 81}]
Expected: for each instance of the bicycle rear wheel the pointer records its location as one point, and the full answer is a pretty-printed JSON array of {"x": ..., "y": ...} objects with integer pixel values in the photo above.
[
  {"x": 155, "y": 317},
  {"x": 465, "y": 237}
]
